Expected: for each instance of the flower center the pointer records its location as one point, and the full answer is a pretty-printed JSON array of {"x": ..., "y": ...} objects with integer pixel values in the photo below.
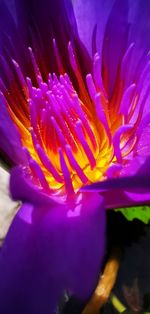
[
  {"x": 71, "y": 138},
  {"x": 64, "y": 141}
]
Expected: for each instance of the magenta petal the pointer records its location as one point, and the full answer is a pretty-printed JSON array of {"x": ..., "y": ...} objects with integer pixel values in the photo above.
[{"x": 50, "y": 250}]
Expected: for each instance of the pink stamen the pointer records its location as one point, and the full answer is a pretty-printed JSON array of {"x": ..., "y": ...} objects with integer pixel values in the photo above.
[
  {"x": 125, "y": 60},
  {"x": 39, "y": 174},
  {"x": 47, "y": 164},
  {"x": 36, "y": 170},
  {"x": 116, "y": 140},
  {"x": 91, "y": 86},
  {"x": 126, "y": 100},
  {"x": 85, "y": 146},
  {"x": 61, "y": 122},
  {"x": 43, "y": 88},
  {"x": 75, "y": 165},
  {"x": 72, "y": 57},
  {"x": 97, "y": 72},
  {"x": 66, "y": 174},
  {"x": 76, "y": 68},
  {"x": 64, "y": 79},
  {"x": 19, "y": 73},
  {"x": 101, "y": 115},
  {"x": 33, "y": 115},
  {"x": 34, "y": 122},
  {"x": 58, "y": 59},
  {"x": 29, "y": 85},
  {"x": 35, "y": 66},
  {"x": 83, "y": 118},
  {"x": 58, "y": 131}
]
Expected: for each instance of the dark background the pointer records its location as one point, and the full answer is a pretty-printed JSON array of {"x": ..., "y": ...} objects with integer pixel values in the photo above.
[{"x": 133, "y": 240}]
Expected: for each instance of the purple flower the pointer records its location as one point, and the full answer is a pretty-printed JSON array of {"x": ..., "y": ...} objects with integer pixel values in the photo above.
[{"x": 74, "y": 119}]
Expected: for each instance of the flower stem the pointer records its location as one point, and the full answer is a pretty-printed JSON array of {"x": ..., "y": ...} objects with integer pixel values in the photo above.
[{"x": 105, "y": 284}]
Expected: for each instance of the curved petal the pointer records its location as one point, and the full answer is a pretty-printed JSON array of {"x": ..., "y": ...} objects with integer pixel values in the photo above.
[
  {"x": 142, "y": 148},
  {"x": 111, "y": 27},
  {"x": 10, "y": 143},
  {"x": 21, "y": 187},
  {"x": 139, "y": 29},
  {"x": 50, "y": 250},
  {"x": 115, "y": 42},
  {"x": 131, "y": 188},
  {"x": 7, "y": 19},
  {"x": 46, "y": 27},
  {"x": 49, "y": 15},
  {"x": 44, "y": 21},
  {"x": 128, "y": 25},
  {"x": 90, "y": 14},
  {"x": 118, "y": 198},
  {"x": 11, "y": 40},
  {"x": 135, "y": 175}
]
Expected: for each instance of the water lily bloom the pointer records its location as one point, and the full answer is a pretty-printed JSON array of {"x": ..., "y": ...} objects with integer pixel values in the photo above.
[{"x": 74, "y": 127}]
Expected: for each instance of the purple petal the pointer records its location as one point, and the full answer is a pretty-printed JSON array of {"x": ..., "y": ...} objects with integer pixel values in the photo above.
[
  {"x": 132, "y": 188},
  {"x": 43, "y": 21},
  {"x": 118, "y": 25},
  {"x": 37, "y": 24},
  {"x": 7, "y": 19},
  {"x": 136, "y": 175},
  {"x": 143, "y": 145},
  {"x": 49, "y": 250},
  {"x": 12, "y": 41},
  {"x": 139, "y": 182},
  {"x": 21, "y": 187},
  {"x": 90, "y": 14},
  {"x": 139, "y": 30},
  {"x": 115, "y": 41},
  {"x": 10, "y": 143},
  {"x": 119, "y": 198}
]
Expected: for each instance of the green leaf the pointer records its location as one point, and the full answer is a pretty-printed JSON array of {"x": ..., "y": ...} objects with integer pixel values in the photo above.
[{"x": 140, "y": 212}]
